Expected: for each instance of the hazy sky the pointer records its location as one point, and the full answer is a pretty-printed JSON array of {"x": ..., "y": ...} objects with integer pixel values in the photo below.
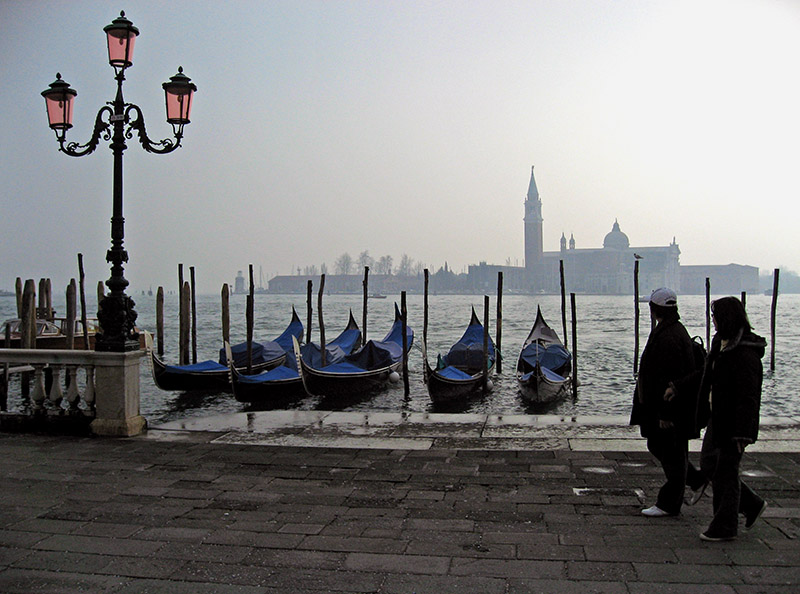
[{"x": 405, "y": 127}]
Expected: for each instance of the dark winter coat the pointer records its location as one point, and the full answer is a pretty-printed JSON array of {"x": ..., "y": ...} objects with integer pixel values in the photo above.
[
  {"x": 668, "y": 356},
  {"x": 733, "y": 376}
]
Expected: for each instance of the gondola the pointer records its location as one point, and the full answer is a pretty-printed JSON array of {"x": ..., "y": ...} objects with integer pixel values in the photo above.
[
  {"x": 360, "y": 373},
  {"x": 214, "y": 375},
  {"x": 458, "y": 375},
  {"x": 544, "y": 364},
  {"x": 284, "y": 381}
]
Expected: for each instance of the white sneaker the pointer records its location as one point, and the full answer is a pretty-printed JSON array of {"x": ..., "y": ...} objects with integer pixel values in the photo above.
[{"x": 655, "y": 512}]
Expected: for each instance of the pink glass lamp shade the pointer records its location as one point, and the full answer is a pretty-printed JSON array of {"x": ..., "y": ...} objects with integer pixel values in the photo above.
[{"x": 121, "y": 38}]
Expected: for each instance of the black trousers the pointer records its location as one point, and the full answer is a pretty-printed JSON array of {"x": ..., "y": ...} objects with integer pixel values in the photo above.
[
  {"x": 731, "y": 495},
  {"x": 672, "y": 451}
]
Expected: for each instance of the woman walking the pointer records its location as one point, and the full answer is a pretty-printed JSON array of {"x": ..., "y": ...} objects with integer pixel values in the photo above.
[{"x": 730, "y": 398}]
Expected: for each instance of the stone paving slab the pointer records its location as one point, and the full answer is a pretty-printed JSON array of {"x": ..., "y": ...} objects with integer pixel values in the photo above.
[
  {"x": 421, "y": 431},
  {"x": 196, "y": 511}
]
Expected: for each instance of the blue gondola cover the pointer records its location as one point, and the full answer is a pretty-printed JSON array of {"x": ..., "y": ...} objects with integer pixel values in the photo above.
[
  {"x": 455, "y": 373},
  {"x": 552, "y": 357},
  {"x": 194, "y": 368},
  {"x": 262, "y": 352}
]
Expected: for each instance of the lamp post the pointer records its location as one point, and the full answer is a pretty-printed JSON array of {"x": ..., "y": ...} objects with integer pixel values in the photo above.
[{"x": 116, "y": 122}]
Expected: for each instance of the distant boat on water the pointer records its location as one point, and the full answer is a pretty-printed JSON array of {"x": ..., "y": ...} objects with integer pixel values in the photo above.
[{"x": 4, "y": 293}]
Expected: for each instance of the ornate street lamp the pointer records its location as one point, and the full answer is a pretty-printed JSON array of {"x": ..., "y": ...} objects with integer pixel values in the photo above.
[{"x": 117, "y": 121}]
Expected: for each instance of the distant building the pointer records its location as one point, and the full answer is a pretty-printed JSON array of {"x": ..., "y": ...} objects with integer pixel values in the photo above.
[
  {"x": 608, "y": 270},
  {"x": 238, "y": 284},
  {"x": 730, "y": 279},
  {"x": 347, "y": 284}
]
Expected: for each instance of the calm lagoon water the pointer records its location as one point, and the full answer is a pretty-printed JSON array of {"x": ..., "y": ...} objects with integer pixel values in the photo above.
[{"x": 605, "y": 348}]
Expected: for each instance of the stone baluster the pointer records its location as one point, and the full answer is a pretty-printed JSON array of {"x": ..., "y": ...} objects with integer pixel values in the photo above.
[
  {"x": 38, "y": 394},
  {"x": 56, "y": 394},
  {"x": 73, "y": 396},
  {"x": 89, "y": 392}
]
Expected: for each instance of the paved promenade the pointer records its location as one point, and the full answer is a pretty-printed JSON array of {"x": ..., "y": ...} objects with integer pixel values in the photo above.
[{"x": 311, "y": 502}]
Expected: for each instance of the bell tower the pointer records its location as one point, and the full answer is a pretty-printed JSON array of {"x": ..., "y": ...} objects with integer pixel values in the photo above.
[{"x": 533, "y": 226}]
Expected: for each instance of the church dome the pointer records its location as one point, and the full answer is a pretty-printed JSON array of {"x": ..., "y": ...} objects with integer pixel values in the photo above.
[{"x": 616, "y": 239}]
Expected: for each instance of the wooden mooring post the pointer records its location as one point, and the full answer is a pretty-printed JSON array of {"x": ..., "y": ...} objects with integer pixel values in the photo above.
[
  {"x": 485, "y": 343},
  {"x": 45, "y": 310},
  {"x": 19, "y": 289},
  {"x": 563, "y": 303},
  {"x": 425, "y": 309},
  {"x": 635, "y": 317},
  {"x": 323, "y": 358},
  {"x": 194, "y": 314},
  {"x": 309, "y": 311},
  {"x": 160, "y": 321},
  {"x": 708, "y": 313},
  {"x": 365, "y": 287},
  {"x": 498, "y": 342},
  {"x": 250, "y": 316},
  {"x": 182, "y": 319},
  {"x": 27, "y": 338},
  {"x": 185, "y": 297},
  {"x": 772, "y": 317},
  {"x": 71, "y": 313},
  {"x": 82, "y": 290},
  {"x": 574, "y": 346},
  {"x": 28, "y": 317},
  {"x": 225, "y": 298},
  {"x": 404, "y": 327}
]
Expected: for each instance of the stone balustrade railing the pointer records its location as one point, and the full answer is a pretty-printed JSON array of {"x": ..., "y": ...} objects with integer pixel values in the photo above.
[{"x": 104, "y": 386}]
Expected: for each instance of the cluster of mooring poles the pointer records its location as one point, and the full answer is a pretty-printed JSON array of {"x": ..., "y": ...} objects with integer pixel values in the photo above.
[
  {"x": 743, "y": 297},
  {"x": 188, "y": 320},
  {"x": 30, "y": 314},
  {"x": 188, "y": 309}
]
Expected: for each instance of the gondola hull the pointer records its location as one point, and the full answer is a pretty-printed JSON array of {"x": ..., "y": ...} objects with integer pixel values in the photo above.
[
  {"x": 284, "y": 383},
  {"x": 194, "y": 378},
  {"x": 346, "y": 384},
  {"x": 538, "y": 389},
  {"x": 544, "y": 365},
  {"x": 363, "y": 372},
  {"x": 459, "y": 375},
  {"x": 448, "y": 390},
  {"x": 212, "y": 376},
  {"x": 274, "y": 390}
]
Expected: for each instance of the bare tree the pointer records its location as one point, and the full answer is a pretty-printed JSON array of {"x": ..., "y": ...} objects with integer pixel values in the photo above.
[
  {"x": 343, "y": 264},
  {"x": 364, "y": 259},
  {"x": 384, "y": 265},
  {"x": 405, "y": 268}
]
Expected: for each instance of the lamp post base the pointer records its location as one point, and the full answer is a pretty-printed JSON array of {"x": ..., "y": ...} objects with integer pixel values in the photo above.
[
  {"x": 117, "y": 395},
  {"x": 118, "y": 324},
  {"x": 119, "y": 428}
]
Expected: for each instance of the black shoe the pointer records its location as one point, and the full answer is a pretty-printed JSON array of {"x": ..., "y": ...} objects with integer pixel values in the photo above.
[
  {"x": 709, "y": 537},
  {"x": 750, "y": 519}
]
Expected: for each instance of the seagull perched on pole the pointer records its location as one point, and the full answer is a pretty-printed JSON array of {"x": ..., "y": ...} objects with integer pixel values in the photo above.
[{"x": 637, "y": 256}]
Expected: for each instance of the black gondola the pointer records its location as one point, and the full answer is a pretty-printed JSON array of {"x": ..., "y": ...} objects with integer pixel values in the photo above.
[
  {"x": 544, "y": 364},
  {"x": 284, "y": 381},
  {"x": 214, "y": 375},
  {"x": 366, "y": 370},
  {"x": 459, "y": 374}
]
